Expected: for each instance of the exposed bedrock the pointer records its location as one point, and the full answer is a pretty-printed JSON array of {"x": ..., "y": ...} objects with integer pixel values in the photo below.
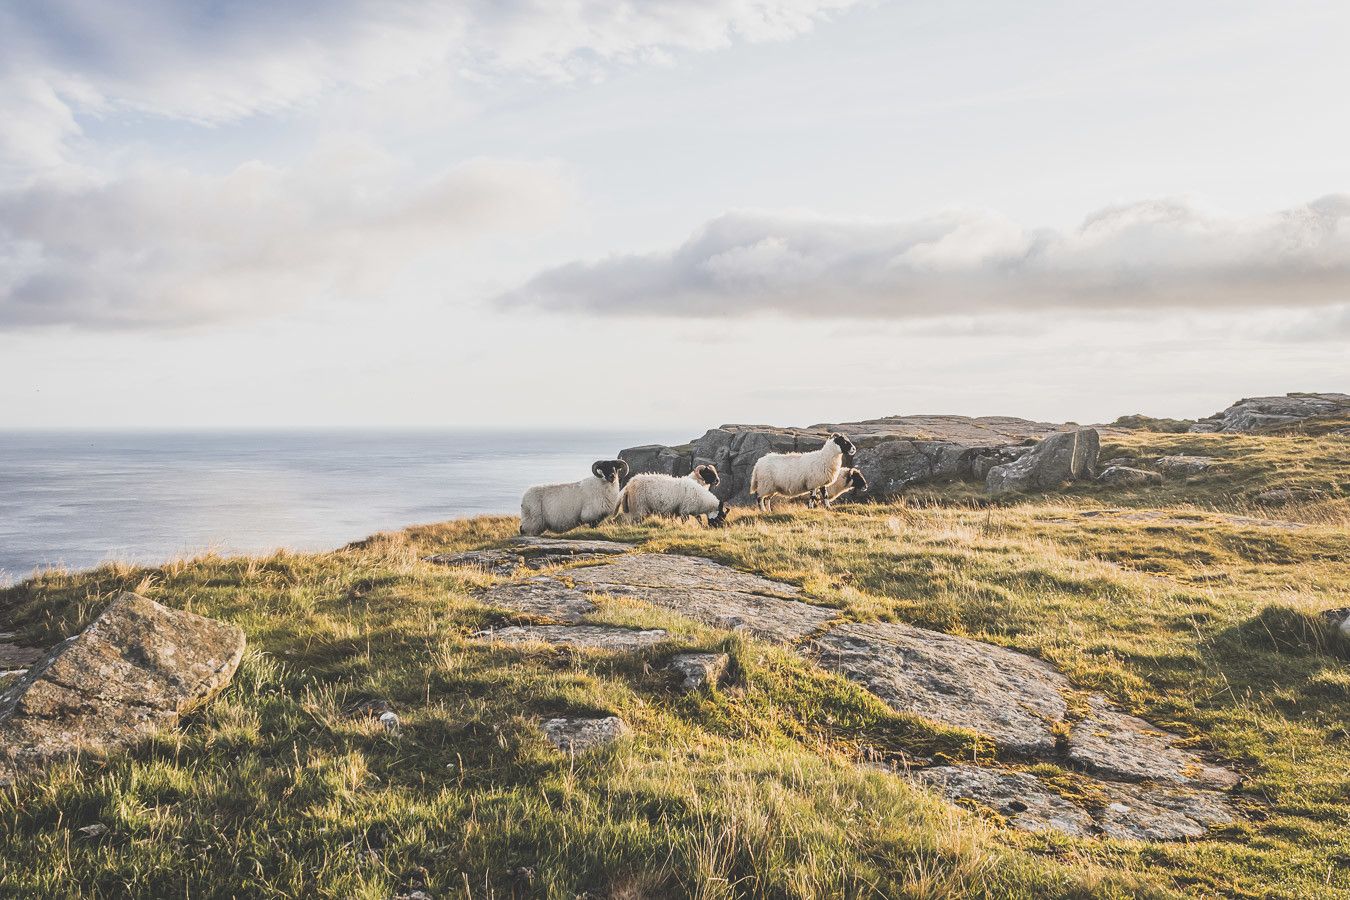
[
  {"x": 893, "y": 452},
  {"x": 1253, "y": 413},
  {"x": 1142, "y": 783}
]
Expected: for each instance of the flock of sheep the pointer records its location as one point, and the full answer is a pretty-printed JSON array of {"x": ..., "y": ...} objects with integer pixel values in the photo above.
[{"x": 821, "y": 475}]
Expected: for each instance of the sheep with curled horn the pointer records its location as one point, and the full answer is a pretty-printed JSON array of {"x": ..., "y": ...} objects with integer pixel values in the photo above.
[
  {"x": 562, "y": 507},
  {"x": 668, "y": 495},
  {"x": 848, "y": 480},
  {"x": 794, "y": 474}
]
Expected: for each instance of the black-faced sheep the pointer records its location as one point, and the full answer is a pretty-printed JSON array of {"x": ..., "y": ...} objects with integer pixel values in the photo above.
[
  {"x": 562, "y": 507},
  {"x": 666, "y": 495},
  {"x": 794, "y": 474},
  {"x": 848, "y": 479}
]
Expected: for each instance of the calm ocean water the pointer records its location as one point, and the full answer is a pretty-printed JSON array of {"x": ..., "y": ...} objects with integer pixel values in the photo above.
[{"x": 80, "y": 499}]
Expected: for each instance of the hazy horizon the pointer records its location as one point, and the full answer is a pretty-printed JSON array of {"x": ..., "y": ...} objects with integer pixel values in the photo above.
[{"x": 599, "y": 216}]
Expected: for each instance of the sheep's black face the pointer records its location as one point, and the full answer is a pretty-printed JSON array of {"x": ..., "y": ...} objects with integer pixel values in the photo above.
[
  {"x": 857, "y": 482},
  {"x": 708, "y": 475},
  {"x": 845, "y": 445},
  {"x": 610, "y": 469}
]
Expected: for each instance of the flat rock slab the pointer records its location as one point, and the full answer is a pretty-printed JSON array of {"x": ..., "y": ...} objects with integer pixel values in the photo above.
[
  {"x": 577, "y": 735},
  {"x": 957, "y": 681},
  {"x": 531, "y": 553},
  {"x": 1132, "y": 812},
  {"x": 127, "y": 675},
  {"x": 592, "y": 637},
  {"x": 542, "y": 596},
  {"x": 1021, "y": 798},
  {"x": 710, "y": 593},
  {"x": 12, "y": 656},
  {"x": 1112, "y": 743},
  {"x": 698, "y": 669},
  {"x": 683, "y": 572},
  {"x": 1161, "y": 812}
]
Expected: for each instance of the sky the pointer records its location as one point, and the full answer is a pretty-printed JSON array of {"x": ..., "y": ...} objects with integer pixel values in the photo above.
[{"x": 666, "y": 215}]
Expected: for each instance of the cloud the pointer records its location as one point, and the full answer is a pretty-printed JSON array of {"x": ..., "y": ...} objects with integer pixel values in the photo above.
[
  {"x": 169, "y": 248},
  {"x": 212, "y": 63},
  {"x": 1153, "y": 255}
]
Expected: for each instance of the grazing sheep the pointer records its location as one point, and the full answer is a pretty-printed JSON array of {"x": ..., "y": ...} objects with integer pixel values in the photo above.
[
  {"x": 562, "y": 507},
  {"x": 666, "y": 495},
  {"x": 794, "y": 474},
  {"x": 848, "y": 479}
]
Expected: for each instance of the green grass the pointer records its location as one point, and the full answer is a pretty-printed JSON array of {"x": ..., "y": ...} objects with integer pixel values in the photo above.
[{"x": 762, "y": 788}]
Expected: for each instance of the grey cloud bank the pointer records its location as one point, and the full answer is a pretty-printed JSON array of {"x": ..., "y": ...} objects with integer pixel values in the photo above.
[
  {"x": 1161, "y": 254},
  {"x": 174, "y": 249}
]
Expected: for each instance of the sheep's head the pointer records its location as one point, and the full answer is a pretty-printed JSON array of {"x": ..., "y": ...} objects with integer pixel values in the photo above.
[
  {"x": 707, "y": 474},
  {"x": 719, "y": 520},
  {"x": 609, "y": 469},
  {"x": 845, "y": 446},
  {"x": 856, "y": 482}
]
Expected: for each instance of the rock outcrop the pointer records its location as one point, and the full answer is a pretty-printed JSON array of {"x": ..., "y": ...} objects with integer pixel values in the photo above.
[
  {"x": 126, "y": 676},
  {"x": 1253, "y": 413},
  {"x": 1055, "y": 461},
  {"x": 1144, "y": 783},
  {"x": 893, "y": 452}
]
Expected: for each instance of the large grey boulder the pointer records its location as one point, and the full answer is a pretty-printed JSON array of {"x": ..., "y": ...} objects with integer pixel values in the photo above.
[
  {"x": 1058, "y": 459},
  {"x": 128, "y": 675},
  {"x": 893, "y": 452},
  {"x": 1252, "y": 413}
]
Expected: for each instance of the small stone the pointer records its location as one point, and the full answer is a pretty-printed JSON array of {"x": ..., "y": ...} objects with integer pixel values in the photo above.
[
  {"x": 390, "y": 722},
  {"x": 578, "y": 735},
  {"x": 699, "y": 669},
  {"x": 1281, "y": 496},
  {"x": 1338, "y": 619},
  {"x": 96, "y": 830}
]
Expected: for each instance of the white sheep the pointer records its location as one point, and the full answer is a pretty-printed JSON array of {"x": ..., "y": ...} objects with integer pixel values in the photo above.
[
  {"x": 666, "y": 495},
  {"x": 794, "y": 474},
  {"x": 561, "y": 507},
  {"x": 848, "y": 479}
]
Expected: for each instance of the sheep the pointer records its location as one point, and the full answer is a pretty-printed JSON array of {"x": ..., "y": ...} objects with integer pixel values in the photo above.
[
  {"x": 794, "y": 474},
  {"x": 666, "y": 495},
  {"x": 848, "y": 479},
  {"x": 561, "y": 507}
]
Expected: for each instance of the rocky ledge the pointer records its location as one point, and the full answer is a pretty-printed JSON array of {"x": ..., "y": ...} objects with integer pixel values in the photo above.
[
  {"x": 1125, "y": 778},
  {"x": 893, "y": 452},
  {"x": 1254, "y": 413}
]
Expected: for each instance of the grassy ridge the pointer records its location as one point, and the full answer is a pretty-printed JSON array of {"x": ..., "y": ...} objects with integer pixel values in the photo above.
[{"x": 1202, "y": 623}]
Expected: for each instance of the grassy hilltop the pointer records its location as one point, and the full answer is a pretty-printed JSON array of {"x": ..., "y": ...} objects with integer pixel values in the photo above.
[{"x": 1201, "y": 621}]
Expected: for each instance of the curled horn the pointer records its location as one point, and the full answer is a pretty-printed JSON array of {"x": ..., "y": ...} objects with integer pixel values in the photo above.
[
  {"x": 597, "y": 468},
  {"x": 623, "y": 469}
]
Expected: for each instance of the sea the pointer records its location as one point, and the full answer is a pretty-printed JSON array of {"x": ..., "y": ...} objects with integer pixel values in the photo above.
[{"x": 78, "y": 499}]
